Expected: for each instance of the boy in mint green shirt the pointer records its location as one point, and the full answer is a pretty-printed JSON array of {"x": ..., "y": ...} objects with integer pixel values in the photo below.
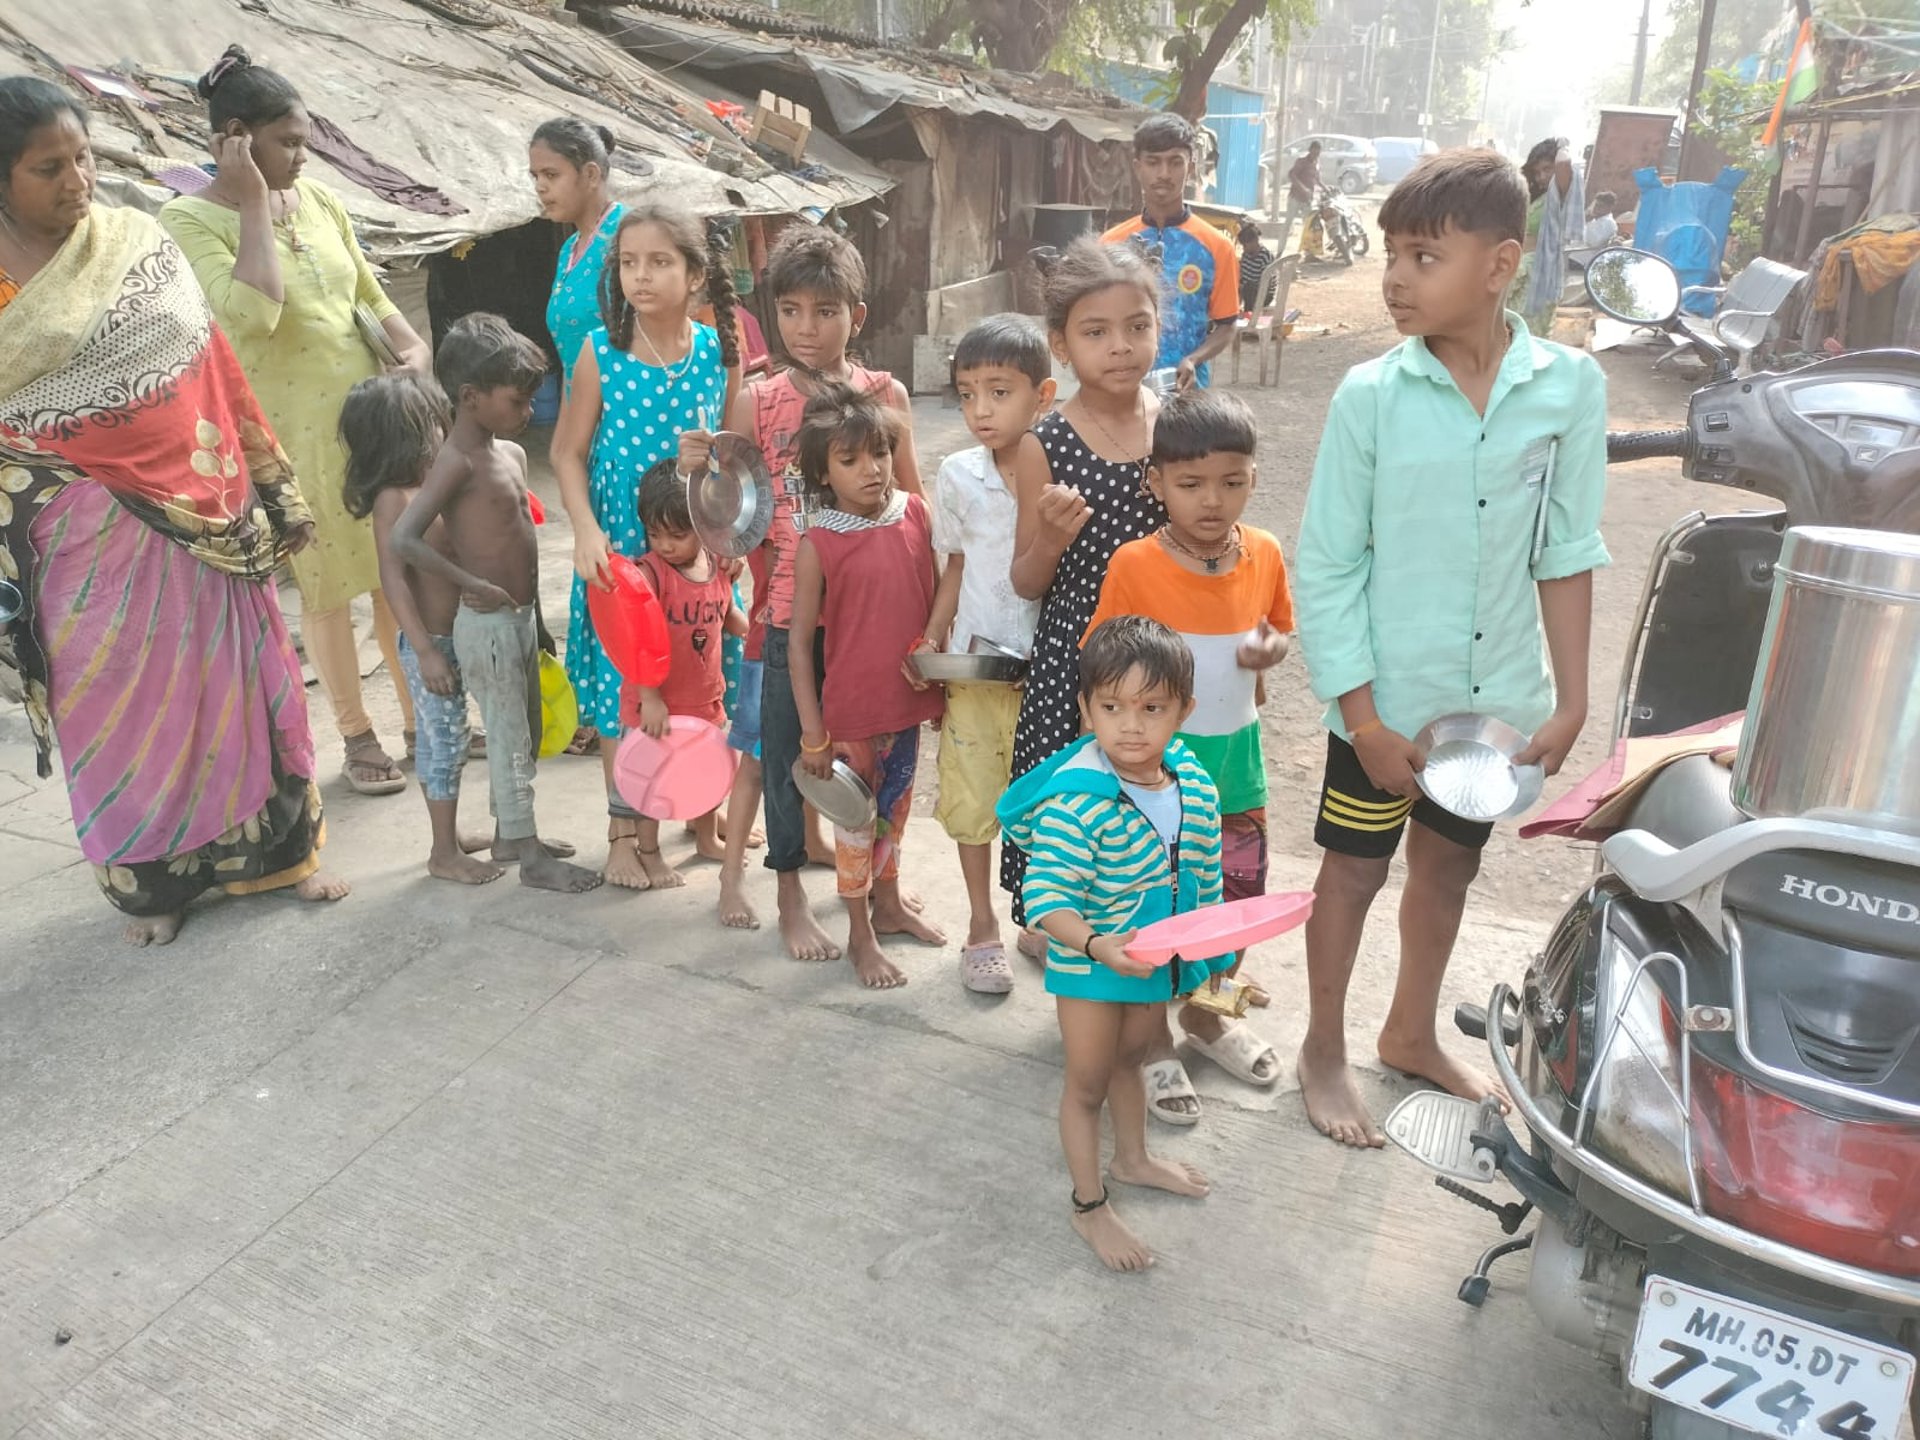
[{"x": 1445, "y": 564}]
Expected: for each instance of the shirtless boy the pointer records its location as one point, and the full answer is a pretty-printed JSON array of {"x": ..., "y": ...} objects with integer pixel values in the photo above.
[{"x": 477, "y": 489}]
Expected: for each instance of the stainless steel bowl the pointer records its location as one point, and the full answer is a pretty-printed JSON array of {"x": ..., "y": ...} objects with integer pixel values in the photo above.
[
  {"x": 843, "y": 797},
  {"x": 981, "y": 645},
  {"x": 1470, "y": 770},
  {"x": 981, "y": 668},
  {"x": 732, "y": 499}
]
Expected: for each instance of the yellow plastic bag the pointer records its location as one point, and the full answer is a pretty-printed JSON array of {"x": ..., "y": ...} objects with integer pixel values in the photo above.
[{"x": 559, "y": 710}]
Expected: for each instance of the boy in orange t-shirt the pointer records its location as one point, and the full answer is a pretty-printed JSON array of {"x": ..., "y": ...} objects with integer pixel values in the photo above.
[{"x": 1222, "y": 586}]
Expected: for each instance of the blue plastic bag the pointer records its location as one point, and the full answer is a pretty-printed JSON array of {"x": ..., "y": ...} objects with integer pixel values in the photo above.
[{"x": 1686, "y": 225}]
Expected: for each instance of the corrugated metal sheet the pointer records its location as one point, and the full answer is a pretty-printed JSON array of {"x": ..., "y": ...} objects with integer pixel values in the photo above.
[{"x": 449, "y": 104}]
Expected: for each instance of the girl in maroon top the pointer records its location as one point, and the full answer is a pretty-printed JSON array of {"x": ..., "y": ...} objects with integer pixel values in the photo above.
[
  {"x": 864, "y": 571},
  {"x": 697, "y": 596}
]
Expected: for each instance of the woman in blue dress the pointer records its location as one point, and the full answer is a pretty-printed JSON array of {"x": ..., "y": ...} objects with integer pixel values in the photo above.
[
  {"x": 568, "y": 161},
  {"x": 640, "y": 381}
]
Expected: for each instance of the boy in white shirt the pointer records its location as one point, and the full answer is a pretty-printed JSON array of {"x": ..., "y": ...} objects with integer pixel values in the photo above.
[{"x": 1004, "y": 373}]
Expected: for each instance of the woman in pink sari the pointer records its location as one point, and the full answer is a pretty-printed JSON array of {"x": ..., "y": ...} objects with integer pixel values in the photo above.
[{"x": 144, "y": 506}]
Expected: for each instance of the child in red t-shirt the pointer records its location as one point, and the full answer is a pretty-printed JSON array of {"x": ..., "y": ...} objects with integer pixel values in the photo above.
[
  {"x": 697, "y": 595},
  {"x": 864, "y": 570}
]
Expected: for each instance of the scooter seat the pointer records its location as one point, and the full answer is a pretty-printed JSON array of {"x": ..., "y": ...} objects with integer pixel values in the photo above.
[{"x": 1686, "y": 802}]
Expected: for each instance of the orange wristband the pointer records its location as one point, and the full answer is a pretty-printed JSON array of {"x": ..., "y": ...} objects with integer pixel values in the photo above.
[{"x": 1368, "y": 727}]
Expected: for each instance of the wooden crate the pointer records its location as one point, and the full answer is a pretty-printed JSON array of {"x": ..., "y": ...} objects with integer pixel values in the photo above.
[{"x": 781, "y": 125}]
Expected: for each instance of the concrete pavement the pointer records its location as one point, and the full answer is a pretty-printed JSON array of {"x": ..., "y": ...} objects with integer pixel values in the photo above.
[
  {"x": 446, "y": 1163},
  {"x": 436, "y": 1162}
]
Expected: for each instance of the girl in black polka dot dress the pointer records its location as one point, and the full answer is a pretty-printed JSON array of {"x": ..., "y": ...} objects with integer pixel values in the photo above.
[{"x": 1080, "y": 480}]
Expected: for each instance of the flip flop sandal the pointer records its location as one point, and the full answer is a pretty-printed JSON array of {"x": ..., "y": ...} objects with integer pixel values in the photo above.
[
  {"x": 1167, "y": 1080},
  {"x": 984, "y": 969},
  {"x": 364, "y": 752},
  {"x": 1237, "y": 1051},
  {"x": 477, "y": 744}
]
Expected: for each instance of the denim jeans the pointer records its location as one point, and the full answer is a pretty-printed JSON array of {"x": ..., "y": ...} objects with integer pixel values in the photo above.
[{"x": 780, "y": 748}]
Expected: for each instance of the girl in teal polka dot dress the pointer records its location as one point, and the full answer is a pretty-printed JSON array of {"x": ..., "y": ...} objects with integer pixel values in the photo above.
[{"x": 646, "y": 377}]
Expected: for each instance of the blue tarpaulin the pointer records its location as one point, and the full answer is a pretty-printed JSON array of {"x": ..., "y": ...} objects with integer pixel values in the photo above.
[{"x": 1686, "y": 225}]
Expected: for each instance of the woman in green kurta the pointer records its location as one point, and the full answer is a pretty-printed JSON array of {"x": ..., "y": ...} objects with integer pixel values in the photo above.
[{"x": 278, "y": 260}]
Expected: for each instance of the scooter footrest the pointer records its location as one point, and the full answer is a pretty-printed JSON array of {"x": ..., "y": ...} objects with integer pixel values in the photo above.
[{"x": 1437, "y": 1130}]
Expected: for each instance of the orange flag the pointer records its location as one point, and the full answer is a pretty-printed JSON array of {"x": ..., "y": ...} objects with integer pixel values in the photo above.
[{"x": 1786, "y": 83}]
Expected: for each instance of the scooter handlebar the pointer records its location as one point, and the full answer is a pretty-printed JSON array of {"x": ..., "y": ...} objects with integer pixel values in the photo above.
[{"x": 1625, "y": 445}]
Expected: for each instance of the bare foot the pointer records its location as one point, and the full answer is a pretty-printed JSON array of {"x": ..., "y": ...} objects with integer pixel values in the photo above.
[
  {"x": 623, "y": 867},
  {"x": 322, "y": 886},
  {"x": 905, "y": 920},
  {"x": 911, "y": 899},
  {"x": 1333, "y": 1101},
  {"x": 871, "y": 964},
  {"x": 821, "y": 855},
  {"x": 472, "y": 842},
  {"x": 660, "y": 875},
  {"x": 709, "y": 844},
  {"x": 801, "y": 933},
  {"x": 1117, "y": 1246},
  {"x": 736, "y": 911},
  {"x": 1033, "y": 945},
  {"x": 145, "y": 930},
  {"x": 462, "y": 868},
  {"x": 505, "y": 854},
  {"x": 756, "y": 837},
  {"x": 1427, "y": 1061},
  {"x": 1154, "y": 1174},
  {"x": 542, "y": 872}
]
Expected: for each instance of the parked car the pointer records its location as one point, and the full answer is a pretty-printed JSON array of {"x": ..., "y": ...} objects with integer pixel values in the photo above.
[
  {"x": 1348, "y": 161},
  {"x": 1398, "y": 154}
]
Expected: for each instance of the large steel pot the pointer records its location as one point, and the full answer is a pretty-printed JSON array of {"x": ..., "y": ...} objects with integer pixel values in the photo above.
[{"x": 1833, "y": 720}]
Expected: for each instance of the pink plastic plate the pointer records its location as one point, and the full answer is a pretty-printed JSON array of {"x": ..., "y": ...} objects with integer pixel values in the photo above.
[
  {"x": 679, "y": 777},
  {"x": 1218, "y": 929}
]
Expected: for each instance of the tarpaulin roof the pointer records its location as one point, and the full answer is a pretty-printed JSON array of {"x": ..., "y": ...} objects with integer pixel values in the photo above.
[
  {"x": 451, "y": 105},
  {"x": 862, "y": 84}
]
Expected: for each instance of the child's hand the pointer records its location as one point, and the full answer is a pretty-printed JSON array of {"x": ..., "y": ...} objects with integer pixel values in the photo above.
[
  {"x": 696, "y": 447},
  {"x": 816, "y": 755},
  {"x": 590, "y": 555},
  {"x": 1111, "y": 951},
  {"x": 1390, "y": 760},
  {"x": 299, "y": 537},
  {"x": 1264, "y": 647},
  {"x": 907, "y": 668},
  {"x": 486, "y": 597},
  {"x": 435, "y": 673},
  {"x": 653, "y": 714},
  {"x": 1064, "y": 513},
  {"x": 1553, "y": 740}
]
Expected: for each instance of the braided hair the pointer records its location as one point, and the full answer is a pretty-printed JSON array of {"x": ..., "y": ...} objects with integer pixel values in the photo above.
[{"x": 708, "y": 251}]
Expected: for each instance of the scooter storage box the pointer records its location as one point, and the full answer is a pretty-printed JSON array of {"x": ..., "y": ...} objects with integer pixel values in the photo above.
[{"x": 1833, "y": 719}]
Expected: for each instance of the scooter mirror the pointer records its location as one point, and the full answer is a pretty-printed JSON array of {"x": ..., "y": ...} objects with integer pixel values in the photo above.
[{"x": 1634, "y": 286}]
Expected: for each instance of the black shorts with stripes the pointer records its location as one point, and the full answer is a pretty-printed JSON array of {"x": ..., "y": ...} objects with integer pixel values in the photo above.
[{"x": 1358, "y": 818}]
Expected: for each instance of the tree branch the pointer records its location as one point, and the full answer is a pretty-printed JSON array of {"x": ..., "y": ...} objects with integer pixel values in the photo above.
[{"x": 1190, "y": 100}]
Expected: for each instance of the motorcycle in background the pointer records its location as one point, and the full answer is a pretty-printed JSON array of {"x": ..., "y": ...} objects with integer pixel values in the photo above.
[
  {"x": 1334, "y": 228},
  {"x": 1715, "y": 1061}
]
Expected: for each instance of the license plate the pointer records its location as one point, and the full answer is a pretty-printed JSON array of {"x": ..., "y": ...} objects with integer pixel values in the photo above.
[{"x": 1762, "y": 1371}]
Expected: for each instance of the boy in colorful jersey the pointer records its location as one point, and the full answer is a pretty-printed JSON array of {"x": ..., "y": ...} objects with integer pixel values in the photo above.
[{"x": 1202, "y": 299}]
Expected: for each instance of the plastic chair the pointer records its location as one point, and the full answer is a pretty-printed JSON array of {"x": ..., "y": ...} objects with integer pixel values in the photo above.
[{"x": 1267, "y": 329}]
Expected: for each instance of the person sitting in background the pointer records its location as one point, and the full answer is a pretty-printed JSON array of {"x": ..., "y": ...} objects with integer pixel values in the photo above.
[{"x": 1254, "y": 260}]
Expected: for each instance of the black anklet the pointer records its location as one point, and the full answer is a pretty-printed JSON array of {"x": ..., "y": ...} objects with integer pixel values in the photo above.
[{"x": 1087, "y": 1207}]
